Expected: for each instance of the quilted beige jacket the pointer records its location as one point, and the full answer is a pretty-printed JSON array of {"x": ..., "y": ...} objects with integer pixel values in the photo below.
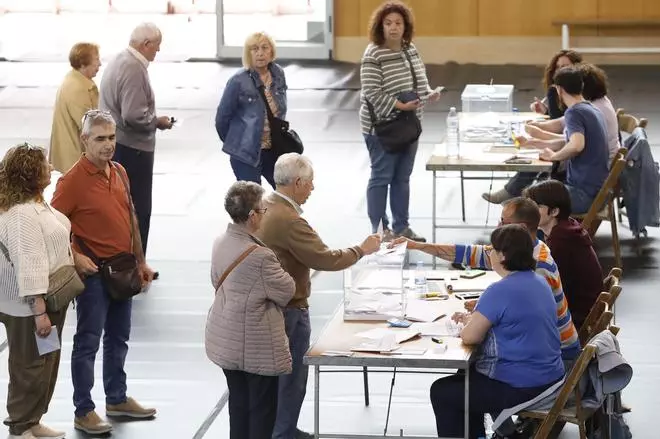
[{"x": 245, "y": 326}]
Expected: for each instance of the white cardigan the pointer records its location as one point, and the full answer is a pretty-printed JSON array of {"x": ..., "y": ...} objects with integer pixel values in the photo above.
[{"x": 37, "y": 238}]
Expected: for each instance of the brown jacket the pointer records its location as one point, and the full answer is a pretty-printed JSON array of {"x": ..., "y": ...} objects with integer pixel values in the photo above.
[{"x": 299, "y": 248}]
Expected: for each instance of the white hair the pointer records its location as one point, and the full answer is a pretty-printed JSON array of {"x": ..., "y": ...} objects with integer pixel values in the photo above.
[
  {"x": 291, "y": 166},
  {"x": 144, "y": 32},
  {"x": 94, "y": 118}
]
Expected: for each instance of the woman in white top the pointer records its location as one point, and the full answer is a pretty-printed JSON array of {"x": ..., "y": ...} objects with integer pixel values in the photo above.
[{"x": 34, "y": 242}]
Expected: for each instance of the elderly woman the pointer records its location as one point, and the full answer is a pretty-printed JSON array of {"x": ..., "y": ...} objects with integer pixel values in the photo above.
[
  {"x": 77, "y": 94},
  {"x": 515, "y": 324},
  {"x": 241, "y": 120},
  {"x": 391, "y": 67},
  {"x": 245, "y": 332},
  {"x": 35, "y": 241}
]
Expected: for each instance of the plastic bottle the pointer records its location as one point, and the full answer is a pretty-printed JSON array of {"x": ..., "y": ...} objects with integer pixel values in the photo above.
[
  {"x": 420, "y": 276},
  {"x": 453, "y": 141}
]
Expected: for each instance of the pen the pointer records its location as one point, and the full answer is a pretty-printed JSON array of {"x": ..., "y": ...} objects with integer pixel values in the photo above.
[{"x": 436, "y": 340}]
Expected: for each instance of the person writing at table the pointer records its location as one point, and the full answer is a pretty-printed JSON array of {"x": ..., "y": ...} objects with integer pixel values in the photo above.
[{"x": 514, "y": 324}]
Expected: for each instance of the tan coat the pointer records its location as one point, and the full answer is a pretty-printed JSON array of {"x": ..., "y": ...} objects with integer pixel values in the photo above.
[
  {"x": 76, "y": 95},
  {"x": 245, "y": 326},
  {"x": 299, "y": 247}
]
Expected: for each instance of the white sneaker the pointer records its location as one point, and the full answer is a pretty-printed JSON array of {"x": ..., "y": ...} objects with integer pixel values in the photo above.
[
  {"x": 41, "y": 431},
  {"x": 26, "y": 435}
]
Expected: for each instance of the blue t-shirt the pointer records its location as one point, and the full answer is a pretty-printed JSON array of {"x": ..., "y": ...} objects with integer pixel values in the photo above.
[
  {"x": 522, "y": 348},
  {"x": 588, "y": 170}
]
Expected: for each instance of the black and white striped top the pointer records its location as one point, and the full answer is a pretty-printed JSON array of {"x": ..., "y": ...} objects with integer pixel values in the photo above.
[{"x": 384, "y": 74}]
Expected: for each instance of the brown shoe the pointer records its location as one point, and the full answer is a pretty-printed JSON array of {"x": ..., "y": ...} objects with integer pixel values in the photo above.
[
  {"x": 43, "y": 431},
  {"x": 498, "y": 197},
  {"x": 131, "y": 408},
  {"x": 91, "y": 423}
]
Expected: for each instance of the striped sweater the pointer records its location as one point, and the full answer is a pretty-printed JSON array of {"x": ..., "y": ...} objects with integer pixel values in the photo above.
[
  {"x": 475, "y": 256},
  {"x": 384, "y": 73}
]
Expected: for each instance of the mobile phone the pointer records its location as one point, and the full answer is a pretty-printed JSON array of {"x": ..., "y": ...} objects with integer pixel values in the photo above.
[
  {"x": 471, "y": 274},
  {"x": 172, "y": 120},
  {"x": 439, "y": 89}
]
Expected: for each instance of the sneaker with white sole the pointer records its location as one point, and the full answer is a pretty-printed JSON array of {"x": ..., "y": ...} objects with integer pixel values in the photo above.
[
  {"x": 26, "y": 435},
  {"x": 131, "y": 408},
  {"x": 45, "y": 432},
  {"x": 92, "y": 424}
]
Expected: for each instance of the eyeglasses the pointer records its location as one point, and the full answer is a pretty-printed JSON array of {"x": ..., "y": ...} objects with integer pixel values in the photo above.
[{"x": 94, "y": 113}]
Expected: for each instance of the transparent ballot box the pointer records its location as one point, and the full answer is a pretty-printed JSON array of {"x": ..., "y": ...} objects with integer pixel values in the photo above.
[
  {"x": 374, "y": 287},
  {"x": 478, "y": 98}
]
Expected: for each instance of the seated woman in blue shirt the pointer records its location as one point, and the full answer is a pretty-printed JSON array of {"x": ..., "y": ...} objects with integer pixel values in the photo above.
[
  {"x": 241, "y": 120},
  {"x": 515, "y": 322}
]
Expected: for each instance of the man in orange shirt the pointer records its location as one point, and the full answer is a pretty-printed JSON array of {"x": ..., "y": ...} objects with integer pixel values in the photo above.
[{"x": 94, "y": 196}]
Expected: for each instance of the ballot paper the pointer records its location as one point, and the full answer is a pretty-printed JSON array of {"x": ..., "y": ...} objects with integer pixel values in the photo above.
[
  {"x": 383, "y": 340},
  {"x": 48, "y": 344}
]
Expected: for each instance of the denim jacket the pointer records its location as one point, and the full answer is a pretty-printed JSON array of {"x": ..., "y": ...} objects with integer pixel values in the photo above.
[
  {"x": 241, "y": 113},
  {"x": 640, "y": 183}
]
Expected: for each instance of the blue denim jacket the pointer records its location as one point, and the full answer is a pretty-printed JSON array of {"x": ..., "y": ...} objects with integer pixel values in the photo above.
[
  {"x": 640, "y": 182},
  {"x": 241, "y": 113}
]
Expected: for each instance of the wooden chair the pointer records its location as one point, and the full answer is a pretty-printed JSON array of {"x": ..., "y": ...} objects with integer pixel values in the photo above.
[
  {"x": 627, "y": 124},
  {"x": 602, "y": 207},
  {"x": 591, "y": 324},
  {"x": 613, "y": 278}
]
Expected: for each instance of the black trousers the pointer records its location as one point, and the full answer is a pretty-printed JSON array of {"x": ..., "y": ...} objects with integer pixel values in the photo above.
[
  {"x": 486, "y": 396},
  {"x": 252, "y": 404},
  {"x": 139, "y": 166}
]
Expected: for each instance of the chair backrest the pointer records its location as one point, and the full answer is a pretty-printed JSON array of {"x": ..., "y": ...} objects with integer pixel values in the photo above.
[
  {"x": 628, "y": 123},
  {"x": 613, "y": 278},
  {"x": 597, "y": 310},
  {"x": 570, "y": 385},
  {"x": 606, "y": 192}
]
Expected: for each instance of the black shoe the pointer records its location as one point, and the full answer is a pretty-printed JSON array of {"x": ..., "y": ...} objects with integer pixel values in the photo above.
[
  {"x": 303, "y": 435},
  {"x": 408, "y": 233}
]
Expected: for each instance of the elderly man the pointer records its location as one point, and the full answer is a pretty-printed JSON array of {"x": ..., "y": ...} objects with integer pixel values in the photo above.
[
  {"x": 127, "y": 94},
  {"x": 299, "y": 249},
  {"x": 94, "y": 195}
]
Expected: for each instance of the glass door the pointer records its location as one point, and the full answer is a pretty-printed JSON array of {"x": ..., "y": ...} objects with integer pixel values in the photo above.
[{"x": 302, "y": 29}]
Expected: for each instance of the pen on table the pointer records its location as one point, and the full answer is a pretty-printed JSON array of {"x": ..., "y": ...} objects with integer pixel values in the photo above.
[{"x": 437, "y": 340}]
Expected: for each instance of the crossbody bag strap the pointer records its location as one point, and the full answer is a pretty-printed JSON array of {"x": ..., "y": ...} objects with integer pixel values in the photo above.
[
  {"x": 86, "y": 250},
  {"x": 131, "y": 208},
  {"x": 412, "y": 69},
  {"x": 233, "y": 265},
  {"x": 262, "y": 93}
]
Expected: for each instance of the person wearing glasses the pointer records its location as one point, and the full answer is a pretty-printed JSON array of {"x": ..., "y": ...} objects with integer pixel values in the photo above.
[
  {"x": 34, "y": 243},
  {"x": 127, "y": 94},
  {"x": 245, "y": 332},
  {"x": 241, "y": 119},
  {"x": 94, "y": 196},
  {"x": 77, "y": 94}
]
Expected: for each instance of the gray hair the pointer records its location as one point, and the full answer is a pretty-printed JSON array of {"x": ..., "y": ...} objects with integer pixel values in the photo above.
[
  {"x": 93, "y": 118},
  {"x": 291, "y": 166},
  {"x": 242, "y": 198},
  {"x": 144, "y": 32}
]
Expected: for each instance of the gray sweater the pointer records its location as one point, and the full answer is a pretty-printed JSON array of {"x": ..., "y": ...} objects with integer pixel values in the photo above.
[{"x": 127, "y": 94}]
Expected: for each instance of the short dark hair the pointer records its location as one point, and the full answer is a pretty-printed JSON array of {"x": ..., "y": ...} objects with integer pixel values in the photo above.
[
  {"x": 526, "y": 212},
  {"x": 376, "y": 33},
  {"x": 594, "y": 82},
  {"x": 514, "y": 242},
  {"x": 570, "y": 79},
  {"x": 552, "y": 194}
]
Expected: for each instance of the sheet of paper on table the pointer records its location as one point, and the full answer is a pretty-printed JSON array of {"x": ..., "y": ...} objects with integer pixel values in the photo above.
[
  {"x": 444, "y": 328},
  {"x": 421, "y": 311},
  {"x": 383, "y": 339}
]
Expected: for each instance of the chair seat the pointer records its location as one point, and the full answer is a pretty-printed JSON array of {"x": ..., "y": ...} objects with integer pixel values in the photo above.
[
  {"x": 603, "y": 215},
  {"x": 568, "y": 414}
]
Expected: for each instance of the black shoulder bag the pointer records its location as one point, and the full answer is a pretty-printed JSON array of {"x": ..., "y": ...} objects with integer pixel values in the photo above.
[
  {"x": 283, "y": 139},
  {"x": 120, "y": 273},
  {"x": 398, "y": 134}
]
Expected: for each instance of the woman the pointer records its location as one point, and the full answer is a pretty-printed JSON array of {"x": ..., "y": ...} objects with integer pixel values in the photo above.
[
  {"x": 241, "y": 120},
  {"x": 387, "y": 85},
  {"x": 77, "y": 94},
  {"x": 35, "y": 240},
  {"x": 515, "y": 324},
  {"x": 245, "y": 328}
]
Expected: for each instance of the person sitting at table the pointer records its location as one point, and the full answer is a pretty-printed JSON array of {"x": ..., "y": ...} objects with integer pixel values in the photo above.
[
  {"x": 520, "y": 350},
  {"x": 571, "y": 246},
  {"x": 522, "y": 211}
]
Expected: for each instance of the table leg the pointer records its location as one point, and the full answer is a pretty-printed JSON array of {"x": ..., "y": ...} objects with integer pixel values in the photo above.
[
  {"x": 433, "y": 214},
  {"x": 317, "y": 405},
  {"x": 467, "y": 403},
  {"x": 365, "y": 376},
  {"x": 462, "y": 197}
]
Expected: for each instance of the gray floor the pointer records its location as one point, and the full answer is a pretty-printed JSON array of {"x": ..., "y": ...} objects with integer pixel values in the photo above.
[{"x": 167, "y": 366}]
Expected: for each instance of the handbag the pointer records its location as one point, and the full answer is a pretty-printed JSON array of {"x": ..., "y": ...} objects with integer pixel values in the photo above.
[
  {"x": 283, "y": 139},
  {"x": 398, "y": 134},
  {"x": 64, "y": 285},
  {"x": 234, "y": 264},
  {"x": 120, "y": 273}
]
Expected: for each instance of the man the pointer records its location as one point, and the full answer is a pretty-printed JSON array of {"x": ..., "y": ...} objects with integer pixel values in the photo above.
[
  {"x": 516, "y": 211},
  {"x": 299, "y": 249},
  {"x": 127, "y": 94},
  {"x": 95, "y": 199},
  {"x": 571, "y": 247}
]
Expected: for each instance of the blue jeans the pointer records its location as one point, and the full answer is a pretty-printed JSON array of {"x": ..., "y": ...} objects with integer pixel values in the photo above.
[
  {"x": 517, "y": 184},
  {"x": 393, "y": 171},
  {"x": 292, "y": 387},
  {"x": 99, "y": 314},
  {"x": 580, "y": 200},
  {"x": 266, "y": 168}
]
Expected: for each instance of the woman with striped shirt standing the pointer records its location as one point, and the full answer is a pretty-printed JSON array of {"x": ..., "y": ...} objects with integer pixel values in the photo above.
[
  {"x": 34, "y": 242},
  {"x": 386, "y": 75}
]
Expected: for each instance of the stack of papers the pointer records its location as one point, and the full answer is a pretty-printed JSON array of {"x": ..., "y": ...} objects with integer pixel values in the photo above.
[
  {"x": 446, "y": 328},
  {"x": 383, "y": 340}
]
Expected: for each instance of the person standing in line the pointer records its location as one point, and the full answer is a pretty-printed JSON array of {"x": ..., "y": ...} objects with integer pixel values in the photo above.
[
  {"x": 127, "y": 94},
  {"x": 77, "y": 94}
]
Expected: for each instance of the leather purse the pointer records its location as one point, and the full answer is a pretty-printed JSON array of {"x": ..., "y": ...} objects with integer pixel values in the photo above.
[{"x": 398, "y": 134}]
